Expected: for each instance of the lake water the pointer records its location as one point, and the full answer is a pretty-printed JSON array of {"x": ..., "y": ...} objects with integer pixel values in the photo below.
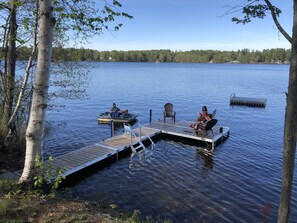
[{"x": 240, "y": 182}]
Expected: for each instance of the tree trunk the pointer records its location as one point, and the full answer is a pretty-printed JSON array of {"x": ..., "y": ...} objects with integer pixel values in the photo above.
[
  {"x": 10, "y": 77},
  {"x": 24, "y": 84},
  {"x": 35, "y": 129},
  {"x": 290, "y": 133}
]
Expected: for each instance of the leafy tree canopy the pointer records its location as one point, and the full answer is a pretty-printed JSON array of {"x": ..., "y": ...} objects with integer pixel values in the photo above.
[{"x": 254, "y": 10}]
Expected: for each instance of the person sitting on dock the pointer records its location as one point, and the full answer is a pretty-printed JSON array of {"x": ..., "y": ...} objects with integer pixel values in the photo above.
[
  {"x": 115, "y": 112},
  {"x": 203, "y": 122},
  {"x": 201, "y": 119},
  {"x": 205, "y": 126}
]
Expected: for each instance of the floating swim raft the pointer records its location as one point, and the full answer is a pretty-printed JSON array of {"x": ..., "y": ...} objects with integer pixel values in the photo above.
[{"x": 254, "y": 102}]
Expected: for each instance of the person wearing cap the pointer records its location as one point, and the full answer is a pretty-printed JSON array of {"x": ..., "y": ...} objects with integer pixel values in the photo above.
[{"x": 114, "y": 111}]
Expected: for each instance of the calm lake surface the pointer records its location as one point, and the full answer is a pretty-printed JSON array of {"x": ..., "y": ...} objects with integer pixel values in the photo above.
[{"x": 240, "y": 182}]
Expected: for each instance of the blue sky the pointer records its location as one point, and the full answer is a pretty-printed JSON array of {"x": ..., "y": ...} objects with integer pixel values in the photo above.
[{"x": 192, "y": 25}]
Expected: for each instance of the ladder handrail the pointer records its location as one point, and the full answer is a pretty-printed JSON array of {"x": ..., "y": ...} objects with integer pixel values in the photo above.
[
  {"x": 145, "y": 134},
  {"x": 128, "y": 129}
]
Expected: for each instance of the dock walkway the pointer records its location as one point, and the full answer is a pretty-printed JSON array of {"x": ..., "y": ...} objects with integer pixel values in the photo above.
[{"x": 80, "y": 159}]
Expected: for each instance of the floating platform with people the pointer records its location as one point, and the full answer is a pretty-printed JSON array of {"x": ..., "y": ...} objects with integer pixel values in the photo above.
[
  {"x": 110, "y": 149},
  {"x": 136, "y": 139}
]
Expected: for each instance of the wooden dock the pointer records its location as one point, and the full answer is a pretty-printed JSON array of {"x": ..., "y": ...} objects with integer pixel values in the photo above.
[
  {"x": 93, "y": 154},
  {"x": 182, "y": 129}
]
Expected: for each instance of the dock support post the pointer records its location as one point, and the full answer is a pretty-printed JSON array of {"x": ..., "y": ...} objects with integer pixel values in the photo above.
[
  {"x": 151, "y": 116},
  {"x": 111, "y": 128},
  {"x": 139, "y": 133}
]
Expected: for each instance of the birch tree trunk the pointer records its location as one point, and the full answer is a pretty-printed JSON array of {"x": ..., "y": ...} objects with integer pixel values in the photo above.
[
  {"x": 35, "y": 129},
  {"x": 290, "y": 133}
]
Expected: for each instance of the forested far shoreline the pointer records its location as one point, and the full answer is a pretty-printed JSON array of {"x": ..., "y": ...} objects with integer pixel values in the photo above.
[{"x": 269, "y": 56}]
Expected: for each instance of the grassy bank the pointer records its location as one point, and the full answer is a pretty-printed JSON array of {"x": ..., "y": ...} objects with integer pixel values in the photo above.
[{"x": 20, "y": 205}]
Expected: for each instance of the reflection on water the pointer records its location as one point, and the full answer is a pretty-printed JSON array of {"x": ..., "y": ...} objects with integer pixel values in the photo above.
[
  {"x": 239, "y": 182},
  {"x": 141, "y": 158},
  {"x": 206, "y": 155}
]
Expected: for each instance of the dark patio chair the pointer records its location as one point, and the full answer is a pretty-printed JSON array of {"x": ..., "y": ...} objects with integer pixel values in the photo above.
[
  {"x": 168, "y": 112},
  {"x": 208, "y": 127}
]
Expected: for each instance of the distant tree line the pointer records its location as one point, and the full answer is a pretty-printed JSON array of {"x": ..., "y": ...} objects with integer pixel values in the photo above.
[{"x": 278, "y": 55}]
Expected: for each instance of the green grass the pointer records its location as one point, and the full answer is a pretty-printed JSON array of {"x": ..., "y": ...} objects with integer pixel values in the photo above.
[{"x": 17, "y": 204}]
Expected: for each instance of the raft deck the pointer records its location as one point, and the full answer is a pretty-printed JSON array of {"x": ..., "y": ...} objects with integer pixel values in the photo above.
[
  {"x": 254, "y": 102},
  {"x": 85, "y": 157}
]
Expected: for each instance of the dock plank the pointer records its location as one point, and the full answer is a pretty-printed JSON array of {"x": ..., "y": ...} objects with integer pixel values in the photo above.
[
  {"x": 81, "y": 157},
  {"x": 182, "y": 129}
]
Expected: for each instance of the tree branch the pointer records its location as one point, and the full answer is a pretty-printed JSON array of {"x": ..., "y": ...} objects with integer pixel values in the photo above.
[{"x": 274, "y": 17}]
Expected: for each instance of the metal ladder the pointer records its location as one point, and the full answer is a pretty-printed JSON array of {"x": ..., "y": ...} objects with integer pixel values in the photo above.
[{"x": 130, "y": 132}]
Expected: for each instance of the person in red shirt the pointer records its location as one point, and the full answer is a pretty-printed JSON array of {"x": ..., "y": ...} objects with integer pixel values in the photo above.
[{"x": 202, "y": 118}]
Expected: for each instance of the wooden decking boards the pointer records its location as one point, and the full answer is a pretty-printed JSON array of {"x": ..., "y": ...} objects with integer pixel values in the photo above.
[
  {"x": 85, "y": 157},
  {"x": 182, "y": 129}
]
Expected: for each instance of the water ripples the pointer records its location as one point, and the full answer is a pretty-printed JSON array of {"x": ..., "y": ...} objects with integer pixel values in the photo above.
[{"x": 240, "y": 182}]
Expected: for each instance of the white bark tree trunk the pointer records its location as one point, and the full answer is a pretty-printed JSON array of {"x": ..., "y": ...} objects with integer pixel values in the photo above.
[
  {"x": 35, "y": 129},
  {"x": 290, "y": 133}
]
